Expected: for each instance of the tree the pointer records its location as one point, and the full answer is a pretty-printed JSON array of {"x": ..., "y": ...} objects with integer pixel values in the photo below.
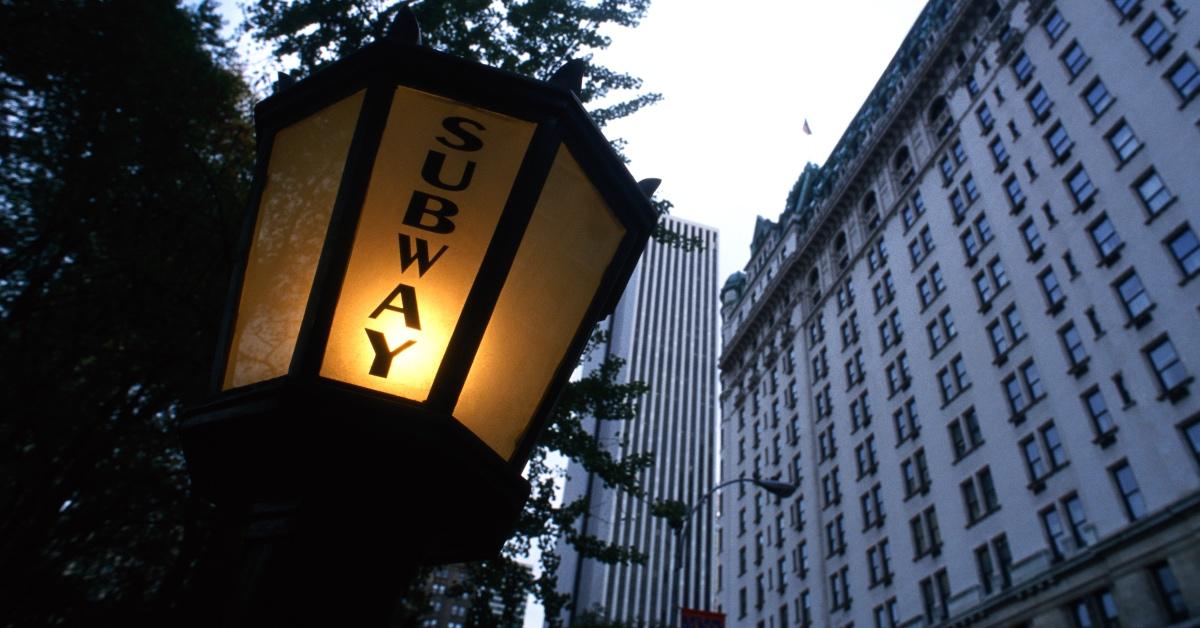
[{"x": 124, "y": 155}]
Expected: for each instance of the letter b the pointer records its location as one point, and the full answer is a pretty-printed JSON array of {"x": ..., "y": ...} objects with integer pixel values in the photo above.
[{"x": 422, "y": 204}]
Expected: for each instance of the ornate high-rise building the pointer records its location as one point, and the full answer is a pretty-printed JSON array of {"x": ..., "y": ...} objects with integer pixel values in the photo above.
[
  {"x": 972, "y": 334},
  {"x": 665, "y": 328}
]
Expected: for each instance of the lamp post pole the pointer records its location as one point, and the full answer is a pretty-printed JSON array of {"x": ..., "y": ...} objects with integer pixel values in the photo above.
[{"x": 779, "y": 489}]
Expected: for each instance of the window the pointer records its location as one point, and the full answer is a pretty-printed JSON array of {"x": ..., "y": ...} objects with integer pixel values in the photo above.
[
  {"x": 865, "y": 457},
  {"x": 1023, "y": 391},
  {"x": 960, "y": 154},
  {"x": 947, "y": 167},
  {"x": 860, "y": 412},
  {"x": 1022, "y": 68},
  {"x": 1039, "y": 103},
  {"x": 1172, "y": 375},
  {"x": 1097, "y": 409},
  {"x": 1032, "y": 447},
  {"x": 1095, "y": 609},
  {"x": 986, "y": 564},
  {"x": 1073, "y": 344},
  {"x": 898, "y": 375},
  {"x": 835, "y": 536},
  {"x": 965, "y": 435},
  {"x": 1127, "y": 8},
  {"x": 839, "y": 589},
  {"x": 941, "y": 330},
  {"x": 970, "y": 245},
  {"x": 879, "y": 564},
  {"x": 885, "y": 614},
  {"x": 969, "y": 188},
  {"x": 872, "y": 508},
  {"x": 1185, "y": 78},
  {"x": 1127, "y": 487},
  {"x": 1055, "y": 26},
  {"x": 989, "y": 283},
  {"x": 927, "y": 537},
  {"x": 1134, "y": 298},
  {"x": 884, "y": 291},
  {"x": 1104, "y": 236},
  {"x": 1172, "y": 6},
  {"x": 999, "y": 153},
  {"x": 850, "y": 330},
  {"x": 1075, "y": 59},
  {"x": 1033, "y": 239},
  {"x": 931, "y": 286},
  {"x": 1081, "y": 187},
  {"x": 1169, "y": 592},
  {"x": 915, "y": 471},
  {"x": 1059, "y": 142},
  {"x": 902, "y": 165},
  {"x": 958, "y": 205},
  {"x": 921, "y": 246},
  {"x": 1123, "y": 141},
  {"x": 1056, "y": 533},
  {"x": 1185, "y": 249},
  {"x": 935, "y": 595},
  {"x": 907, "y": 421},
  {"x": 986, "y": 120},
  {"x": 979, "y": 496},
  {"x": 877, "y": 255},
  {"x": 1153, "y": 192},
  {"x": 891, "y": 331},
  {"x": 1097, "y": 97},
  {"x": 1052, "y": 290},
  {"x": 1155, "y": 37},
  {"x": 1000, "y": 341},
  {"x": 953, "y": 379},
  {"x": 1016, "y": 197}
]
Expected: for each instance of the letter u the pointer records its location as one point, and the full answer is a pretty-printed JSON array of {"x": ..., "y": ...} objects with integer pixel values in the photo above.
[{"x": 432, "y": 172}]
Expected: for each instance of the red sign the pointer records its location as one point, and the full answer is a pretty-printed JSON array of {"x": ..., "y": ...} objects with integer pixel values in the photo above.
[{"x": 692, "y": 618}]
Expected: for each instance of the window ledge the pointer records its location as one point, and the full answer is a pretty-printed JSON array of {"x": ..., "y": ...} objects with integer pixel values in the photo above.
[
  {"x": 1112, "y": 257},
  {"x": 1017, "y": 418},
  {"x": 1035, "y": 255},
  {"x": 1177, "y": 392},
  {"x": 1107, "y": 439},
  {"x": 1057, "y": 307},
  {"x": 1085, "y": 204},
  {"x": 1017, "y": 207},
  {"x": 1080, "y": 368},
  {"x": 1143, "y": 318}
]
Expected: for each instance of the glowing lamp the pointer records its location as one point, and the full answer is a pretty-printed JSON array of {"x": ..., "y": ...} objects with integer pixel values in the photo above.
[{"x": 430, "y": 243}]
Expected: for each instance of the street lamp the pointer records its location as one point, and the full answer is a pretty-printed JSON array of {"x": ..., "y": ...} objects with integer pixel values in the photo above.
[
  {"x": 781, "y": 490},
  {"x": 430, "y": 243}
]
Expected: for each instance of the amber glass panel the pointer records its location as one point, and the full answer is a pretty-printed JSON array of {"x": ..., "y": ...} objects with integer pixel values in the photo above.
[
  {"x": 303, "y": 177},
  {"x": 570, "y": 242},
  {"x": 439, "y": 184}
]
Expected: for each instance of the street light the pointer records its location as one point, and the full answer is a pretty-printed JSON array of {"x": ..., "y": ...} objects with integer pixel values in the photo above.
[
  {"x": 431, "y": 242},
  {"x": 781, "y": 490}
]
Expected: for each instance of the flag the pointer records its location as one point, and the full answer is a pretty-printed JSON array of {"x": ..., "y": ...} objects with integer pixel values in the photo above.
[{"x": 807, "y": 131}]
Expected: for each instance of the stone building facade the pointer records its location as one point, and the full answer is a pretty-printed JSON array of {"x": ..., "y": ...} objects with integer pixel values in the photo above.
[{"x": 971, "y": 337}]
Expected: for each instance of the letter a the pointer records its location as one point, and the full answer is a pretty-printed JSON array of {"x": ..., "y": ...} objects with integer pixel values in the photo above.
[
  {"x": 408, "y": 306},
  {"x": 419, "y": 207},
  {"x": 384, "y": 356},
  {"x": 424, "y": 262}
]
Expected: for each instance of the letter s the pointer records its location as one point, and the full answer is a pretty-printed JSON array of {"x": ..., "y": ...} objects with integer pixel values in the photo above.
[{"x": 469, "y": 141}]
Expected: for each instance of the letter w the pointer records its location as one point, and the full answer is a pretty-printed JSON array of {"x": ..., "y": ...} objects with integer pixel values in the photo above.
[{"x": 424, "y": 262}]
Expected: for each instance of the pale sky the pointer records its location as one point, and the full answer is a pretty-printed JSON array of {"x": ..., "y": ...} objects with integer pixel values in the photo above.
[{"x": 738, "y": 80}]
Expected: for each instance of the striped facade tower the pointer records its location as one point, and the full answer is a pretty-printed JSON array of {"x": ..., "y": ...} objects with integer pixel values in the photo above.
[{"x": 665, "y": 328}]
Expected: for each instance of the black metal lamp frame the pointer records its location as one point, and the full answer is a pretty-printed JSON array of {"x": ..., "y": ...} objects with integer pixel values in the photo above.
[{"x": 340, "y": 488}]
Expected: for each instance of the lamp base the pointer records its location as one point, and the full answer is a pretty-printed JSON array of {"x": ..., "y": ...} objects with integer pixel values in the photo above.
[{"x": 337, "y": 497}]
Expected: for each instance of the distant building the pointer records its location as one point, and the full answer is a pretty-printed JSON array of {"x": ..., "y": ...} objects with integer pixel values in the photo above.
[
  {"x": 665, "y": 327},
  {"x": 972, "y": 337},
  {"x": 448, "y": 609}
]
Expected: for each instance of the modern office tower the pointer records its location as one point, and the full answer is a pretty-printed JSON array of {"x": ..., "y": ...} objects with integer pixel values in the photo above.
[
  {"x": 972, "y": 337},
  {"x": 665, "y": 327}
]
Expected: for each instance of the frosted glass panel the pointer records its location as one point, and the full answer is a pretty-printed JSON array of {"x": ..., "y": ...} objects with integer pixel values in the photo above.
[
  {"x": 303, "y": 177},
  {"x": 439, "y": 184},
  {"x": 570, "y": 242}
]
